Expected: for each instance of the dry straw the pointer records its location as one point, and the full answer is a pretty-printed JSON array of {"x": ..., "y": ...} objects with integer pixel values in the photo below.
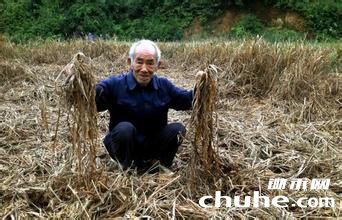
[
  {"x": 78, "y": 96},
  {"x": 284, "y": 124},
  {"x": 203, "y": 120},
  {"x": 6, "y": 48}
]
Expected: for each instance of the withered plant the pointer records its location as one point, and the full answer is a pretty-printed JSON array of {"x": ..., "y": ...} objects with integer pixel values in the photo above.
[{"x": 78, "y": 96}]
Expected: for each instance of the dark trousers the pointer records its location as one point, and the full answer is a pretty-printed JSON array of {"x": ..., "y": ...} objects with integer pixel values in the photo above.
[{"x": 127, "y": 145}]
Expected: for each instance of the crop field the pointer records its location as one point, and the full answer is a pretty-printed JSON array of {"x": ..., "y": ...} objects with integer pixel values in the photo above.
[{"x": 278, "y": 114}]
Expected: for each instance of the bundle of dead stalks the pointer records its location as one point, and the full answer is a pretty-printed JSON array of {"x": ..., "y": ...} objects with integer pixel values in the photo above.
[
  {"x": 205, "y": 167},
  {"x": 203, "y": 119},
  {"x": 78, "y": 96}
]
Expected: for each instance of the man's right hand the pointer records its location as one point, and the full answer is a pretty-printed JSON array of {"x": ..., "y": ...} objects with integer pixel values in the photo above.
[{"x": 67, "y": 70}]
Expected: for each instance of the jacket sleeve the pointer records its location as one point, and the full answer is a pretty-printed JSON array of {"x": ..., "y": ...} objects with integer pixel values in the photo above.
[
  {"x": 181, "y": 99},
  {"x": 104, "y": 94}
]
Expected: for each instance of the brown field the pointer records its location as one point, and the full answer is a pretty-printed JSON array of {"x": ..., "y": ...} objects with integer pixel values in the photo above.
[{"x": 279, "y": 114}]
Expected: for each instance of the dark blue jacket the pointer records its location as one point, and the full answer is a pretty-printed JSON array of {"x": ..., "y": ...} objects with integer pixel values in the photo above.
[{"x": 145, "y": 107}]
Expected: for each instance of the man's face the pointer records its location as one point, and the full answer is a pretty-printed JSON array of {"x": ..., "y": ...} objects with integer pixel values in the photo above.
[{"x": 144, "y": 64}]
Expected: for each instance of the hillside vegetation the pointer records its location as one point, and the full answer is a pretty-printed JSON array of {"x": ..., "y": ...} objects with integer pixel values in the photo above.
[{"x": 24, "y": 20}]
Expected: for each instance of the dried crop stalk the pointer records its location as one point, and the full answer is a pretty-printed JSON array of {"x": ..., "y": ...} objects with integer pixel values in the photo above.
[
  {"x": 78, "y": 96},
  {"x": 203, "y": 119},
  {"x": 43, "y": 109}
]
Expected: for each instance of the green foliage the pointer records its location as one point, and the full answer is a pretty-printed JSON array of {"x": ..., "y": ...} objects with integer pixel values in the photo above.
[
  {"x": 87, "y": 17},
  {"x": 250, "y": 26},
  {"x": 125, "y": 19},
  {"x": 14, "y": 16},
  {"x": 284, "y": 34},
  {"x": 247, "y": 26},
  {"x": 322, "y": 16},
  {"x": 50, "y": 19},
  {"x": 156, "y": 28},
  {"x": 24, "y": 20},
  {"x": 325, "y": 19}
]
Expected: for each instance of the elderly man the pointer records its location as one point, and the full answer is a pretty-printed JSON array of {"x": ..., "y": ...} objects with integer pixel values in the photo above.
[{"x": 138, "y": 102}]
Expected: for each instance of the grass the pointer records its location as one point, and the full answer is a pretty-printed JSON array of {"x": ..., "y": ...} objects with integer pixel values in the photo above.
[{"x": 278, "y": 114}]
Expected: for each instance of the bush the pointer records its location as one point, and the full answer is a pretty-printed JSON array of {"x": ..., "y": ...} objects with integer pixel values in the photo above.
[
  {"x": 276, "y": 34},
  {"x": 247, "y": 26},
  {"x": 322, "y": 16}
]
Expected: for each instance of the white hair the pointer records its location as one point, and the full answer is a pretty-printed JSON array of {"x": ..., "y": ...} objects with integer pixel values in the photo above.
[{"x": 149, "y": 42}]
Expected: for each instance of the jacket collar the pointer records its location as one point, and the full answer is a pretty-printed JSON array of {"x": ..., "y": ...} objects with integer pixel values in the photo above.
[{"x": 132, "y": 83}]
